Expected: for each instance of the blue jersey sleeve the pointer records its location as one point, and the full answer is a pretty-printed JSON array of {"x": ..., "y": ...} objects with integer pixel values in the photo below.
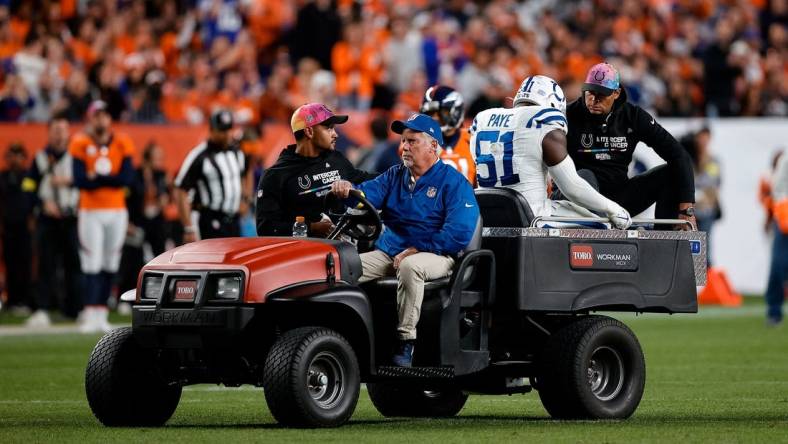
[{"x": 375, "y": 190}]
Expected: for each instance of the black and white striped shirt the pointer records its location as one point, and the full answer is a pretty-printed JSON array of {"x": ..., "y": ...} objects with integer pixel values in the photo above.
[{"x": 213, "y": 176}]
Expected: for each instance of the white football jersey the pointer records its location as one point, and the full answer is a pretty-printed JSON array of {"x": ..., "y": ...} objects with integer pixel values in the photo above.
[{"x": 507, "y": 147}]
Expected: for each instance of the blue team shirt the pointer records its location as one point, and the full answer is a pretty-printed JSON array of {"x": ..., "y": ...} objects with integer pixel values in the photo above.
[{"x": 438, "y": 216}]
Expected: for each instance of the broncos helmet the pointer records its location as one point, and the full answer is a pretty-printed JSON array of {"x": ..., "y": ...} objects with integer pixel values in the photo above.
[
  {"x": 448, "y": 103},
  {"x": 542, "y": 91}
]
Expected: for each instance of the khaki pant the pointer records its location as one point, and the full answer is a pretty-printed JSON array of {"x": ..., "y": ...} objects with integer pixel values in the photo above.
[{"x": 413, "y": 271}]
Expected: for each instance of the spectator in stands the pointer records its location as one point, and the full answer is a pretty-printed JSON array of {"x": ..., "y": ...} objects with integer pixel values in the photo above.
[
  {"x": 383, "y": 154},
  {"x": 76, "y": 97},
  {"x": 400, "y": 52},
  {"x": 219, "y": 18},
  {"x": 29, "y": 64},
  {"x": 112, "y": 86},
  {"x": 15, "y": 101},
  {"x": 355, "y": 63},
  {"x": 232, "y": 97},
  {"x": 475, "y": 77},
  {"x": 148, "y": 99},
  {"x": 117, "y": 44},
  {"x": 276, "y": 103},
  {"x": 720, "y": 72},
  {"x": 494, "y": 94},
  {"x": 317, "y": 29},
  {"x": 15, "y": 221},
  {"x": 51, "y": 179}
]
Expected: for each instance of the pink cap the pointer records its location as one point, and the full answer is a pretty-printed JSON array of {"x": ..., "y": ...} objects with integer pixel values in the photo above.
[
  {"x": 311, "y": 114},
  {"x": 602, "y": 78}
]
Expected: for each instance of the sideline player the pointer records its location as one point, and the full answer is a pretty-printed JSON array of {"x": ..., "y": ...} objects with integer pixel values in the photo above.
[
  {"x": 447, "y": 107},
  {"x": 102, "y": 169},
  {"x": 517, "y": 147}
]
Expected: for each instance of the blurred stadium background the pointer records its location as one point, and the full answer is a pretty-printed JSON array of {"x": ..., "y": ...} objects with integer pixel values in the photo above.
[{"x": 163, "y": 66}]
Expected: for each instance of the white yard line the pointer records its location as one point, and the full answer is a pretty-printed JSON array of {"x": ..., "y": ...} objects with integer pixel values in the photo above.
[
  {"x": 705, "y": 312},
  {"x": 21, "y": 330}
]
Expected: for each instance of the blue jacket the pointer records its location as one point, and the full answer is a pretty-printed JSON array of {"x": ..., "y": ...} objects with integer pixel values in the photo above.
[{"x": 438, "y": 216}]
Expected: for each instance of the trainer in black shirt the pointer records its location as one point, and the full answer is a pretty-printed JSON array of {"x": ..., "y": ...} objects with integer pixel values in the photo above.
[
  {"x": 604, "y": 130},
  {"x": 213, "y": 181},
  {"x": 302, "y": 175}
]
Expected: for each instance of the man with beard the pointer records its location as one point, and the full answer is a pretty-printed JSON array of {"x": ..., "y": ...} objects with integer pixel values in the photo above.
[
  {"x": 604, "y": 130},
  {"x": 299, "y": 180}
]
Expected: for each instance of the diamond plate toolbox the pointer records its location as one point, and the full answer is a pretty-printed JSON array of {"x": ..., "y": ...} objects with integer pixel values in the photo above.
[{"x": 696, "y": 239}]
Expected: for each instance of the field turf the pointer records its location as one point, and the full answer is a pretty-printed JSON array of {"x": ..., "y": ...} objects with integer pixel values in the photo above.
[{"x": 720, "y": 376}]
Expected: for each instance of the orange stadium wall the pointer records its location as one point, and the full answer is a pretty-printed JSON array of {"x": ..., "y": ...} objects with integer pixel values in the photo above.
[{"x": 177, "y": 140}]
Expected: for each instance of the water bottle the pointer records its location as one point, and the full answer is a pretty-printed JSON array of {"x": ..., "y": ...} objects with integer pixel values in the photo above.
[{"x": 299, "y": 227}]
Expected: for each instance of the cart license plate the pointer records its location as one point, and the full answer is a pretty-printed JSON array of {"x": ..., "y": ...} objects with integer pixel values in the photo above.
[{"x": 185, "y": 291}]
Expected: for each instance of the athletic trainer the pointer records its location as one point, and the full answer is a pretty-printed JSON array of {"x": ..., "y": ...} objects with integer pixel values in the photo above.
[{"x": 603, "y": 131}]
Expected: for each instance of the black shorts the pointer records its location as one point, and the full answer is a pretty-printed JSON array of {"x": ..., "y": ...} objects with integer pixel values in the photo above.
[
  {"x": 214, "y": 224},
  {"x": 638, "y": 193}
]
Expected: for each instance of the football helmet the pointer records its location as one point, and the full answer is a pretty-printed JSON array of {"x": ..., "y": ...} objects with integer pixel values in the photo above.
[
  {"x": 542, "y": 91},
  {"x": 448, "y": 103}
]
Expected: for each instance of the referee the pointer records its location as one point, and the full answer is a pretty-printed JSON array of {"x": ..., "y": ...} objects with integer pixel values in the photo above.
[{"x": 213, "y": 181}]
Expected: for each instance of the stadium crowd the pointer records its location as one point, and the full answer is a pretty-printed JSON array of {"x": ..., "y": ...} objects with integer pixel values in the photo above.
[{"x": 174, "y": 61}]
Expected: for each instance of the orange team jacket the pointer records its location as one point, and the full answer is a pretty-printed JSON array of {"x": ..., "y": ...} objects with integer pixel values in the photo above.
[
  {"x": 107, "y": 162},
  {"x": 459, "y": 156}
]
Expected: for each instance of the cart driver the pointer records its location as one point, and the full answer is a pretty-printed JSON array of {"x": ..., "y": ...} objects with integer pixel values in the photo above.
[{"x": 430, "y": 214}]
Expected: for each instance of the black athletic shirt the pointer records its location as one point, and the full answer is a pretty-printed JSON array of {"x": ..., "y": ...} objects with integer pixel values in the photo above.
[
  {"x": 215, "y": 175},
  {"x": 604, "y": 144},
  {"x": 296, "y": 186}
]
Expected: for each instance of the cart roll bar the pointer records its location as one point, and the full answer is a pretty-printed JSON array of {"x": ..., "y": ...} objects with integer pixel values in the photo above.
[{"x": 603, "y": 220}]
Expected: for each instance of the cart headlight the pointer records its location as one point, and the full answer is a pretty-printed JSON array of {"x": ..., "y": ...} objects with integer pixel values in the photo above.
[
  {"x": 228, "y": 288},
  {"x": 151, "y": 286}
]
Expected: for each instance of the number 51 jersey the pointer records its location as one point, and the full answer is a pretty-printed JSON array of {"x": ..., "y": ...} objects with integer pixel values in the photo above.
[{"x": 507, "y": 147}]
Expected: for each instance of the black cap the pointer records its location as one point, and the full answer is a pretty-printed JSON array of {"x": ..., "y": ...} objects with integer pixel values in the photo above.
[{"x": 221, "y": 120}]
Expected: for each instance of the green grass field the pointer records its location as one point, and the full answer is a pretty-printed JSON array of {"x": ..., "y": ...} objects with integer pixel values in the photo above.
[{"x": 719, "y": 376}]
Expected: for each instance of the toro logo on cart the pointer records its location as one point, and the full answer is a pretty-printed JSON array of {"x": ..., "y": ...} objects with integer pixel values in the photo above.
[
  {"x": 185, "y": 290},
  {"x": 604, "y": 256},
  {"x": 581, "y": 256}
]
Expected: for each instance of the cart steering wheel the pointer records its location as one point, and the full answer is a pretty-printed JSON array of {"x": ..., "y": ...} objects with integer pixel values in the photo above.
[{"x": 362, "y": 223}]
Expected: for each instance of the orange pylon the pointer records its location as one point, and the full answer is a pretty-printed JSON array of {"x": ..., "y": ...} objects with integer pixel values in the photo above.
[{"x": 718, "y": 290}]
